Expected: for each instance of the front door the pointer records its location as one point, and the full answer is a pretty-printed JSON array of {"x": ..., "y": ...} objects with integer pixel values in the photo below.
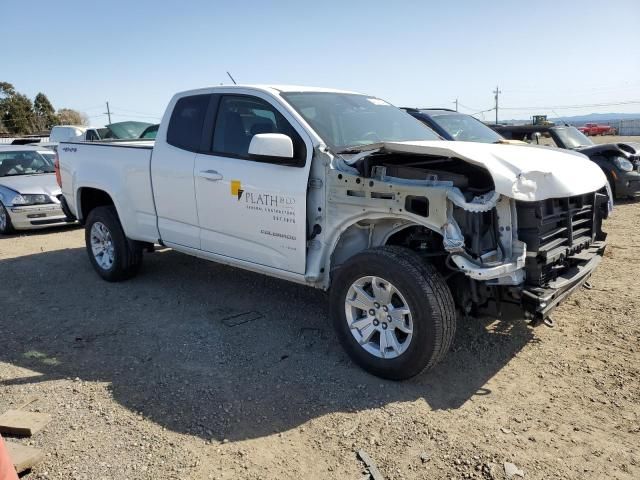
[
  {"x": 172, "y": 166},
  {"x": 252, "y": 210}
]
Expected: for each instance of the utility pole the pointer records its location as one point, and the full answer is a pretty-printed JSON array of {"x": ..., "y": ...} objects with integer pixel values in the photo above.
[
  {"x": 108, "y": 112},
  {"x": 456, "y": 102},
  {"x": 497, "y": 92}
]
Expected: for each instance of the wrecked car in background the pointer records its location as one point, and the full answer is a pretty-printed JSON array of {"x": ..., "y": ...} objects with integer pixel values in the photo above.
[{"x": 343, "y": 191}]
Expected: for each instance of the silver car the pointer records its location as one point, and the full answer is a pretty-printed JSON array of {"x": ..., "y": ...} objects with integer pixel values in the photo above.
[{"x": 29, "y": 194}]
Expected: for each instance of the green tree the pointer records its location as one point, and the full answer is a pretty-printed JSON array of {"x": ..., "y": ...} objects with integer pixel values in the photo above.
[
  {"x": 16, "y": 111},
  {"x": 6, "y": 90},
  {"x": 67, "y": 116},
  {"x": 45, "y": 114}
]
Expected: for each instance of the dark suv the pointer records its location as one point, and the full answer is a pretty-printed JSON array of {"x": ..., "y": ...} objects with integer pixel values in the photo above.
[
  {"x": 620, "y": 162},
  {"x": 452, "y": 125}
]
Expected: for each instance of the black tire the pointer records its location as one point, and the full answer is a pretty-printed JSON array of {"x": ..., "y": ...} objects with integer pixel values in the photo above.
[
  {"x": 427, "y": 295},
  {"x": 127, "y": 253},
  {"x": 8, "y": 227}
]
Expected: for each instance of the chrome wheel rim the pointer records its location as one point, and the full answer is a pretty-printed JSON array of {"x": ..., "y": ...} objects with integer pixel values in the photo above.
[
  {"x": 102, "y": 246},
  {"x": 3, "y": 218},
  {"x": 379, "y": 317}
]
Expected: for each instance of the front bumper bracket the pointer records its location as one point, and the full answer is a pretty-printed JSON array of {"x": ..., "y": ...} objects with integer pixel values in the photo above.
[{"x": 538, "y": 302}]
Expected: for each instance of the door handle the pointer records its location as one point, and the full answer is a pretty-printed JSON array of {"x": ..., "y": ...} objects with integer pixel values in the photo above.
[{"x": 211, "y": 175}]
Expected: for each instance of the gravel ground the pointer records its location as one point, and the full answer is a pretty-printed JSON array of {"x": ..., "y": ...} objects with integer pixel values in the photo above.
[
  {"x": 614, "y": 139},
  {"x": 195, "y": 370}
]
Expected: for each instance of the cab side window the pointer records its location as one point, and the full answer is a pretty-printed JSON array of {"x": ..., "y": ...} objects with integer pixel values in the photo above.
[
  {"x": 92, "y": 136},
  {"x": 240, "y": 117},
  {"x": 187, "y": 119}
]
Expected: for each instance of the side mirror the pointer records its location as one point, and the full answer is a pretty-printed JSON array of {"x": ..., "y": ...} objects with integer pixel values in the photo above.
[{"x": 271, "y": 145}]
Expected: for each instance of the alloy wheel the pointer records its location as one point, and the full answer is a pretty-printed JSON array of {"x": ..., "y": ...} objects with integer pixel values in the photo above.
[
  {"x": 379, "y": 317},
  {"x": 102, "y": 245}
]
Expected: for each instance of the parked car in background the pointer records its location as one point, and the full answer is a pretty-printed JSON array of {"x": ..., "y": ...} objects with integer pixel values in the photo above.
[
  {"x": 593, "y": 129},
  {"x": 64, "y": 133},
  {"x": 127, "y": 130},
  {"x": 114, "y": 131},
  {"x": 339, "y": 190},
  {"x": 150, "y": 132},
  {"x": 620, "y": 163},
  {"x": 29, "y": 194},
  {"x": 27, "y": 140},
  {"x": 452, "y": 125}
]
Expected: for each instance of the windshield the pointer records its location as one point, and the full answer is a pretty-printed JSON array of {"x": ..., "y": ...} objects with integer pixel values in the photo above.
[
  {"x": 465, "y": 128},
  {"x": 571, "y": 137},
  {"x": 124, "y": 130},
  {"x": 23, "y": 163},
  {"x": 346, "y": 120},
  {"x": 50, "y": 156},
  {"x": 150, "y": 132}
]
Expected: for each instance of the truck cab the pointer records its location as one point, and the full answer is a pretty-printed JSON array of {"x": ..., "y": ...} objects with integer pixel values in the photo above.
[{"x": 344, "y": 192}]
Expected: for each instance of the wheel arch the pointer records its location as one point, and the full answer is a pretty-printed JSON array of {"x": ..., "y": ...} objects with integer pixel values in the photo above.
[
  {"x": 367, "y": 232},
  {"x": 88, "y": 198}
]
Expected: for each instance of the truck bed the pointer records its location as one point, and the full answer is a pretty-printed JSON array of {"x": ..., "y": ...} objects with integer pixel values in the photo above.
[
  {"x": 130, "y": 143},
  {"x": 122, "y": 168}
]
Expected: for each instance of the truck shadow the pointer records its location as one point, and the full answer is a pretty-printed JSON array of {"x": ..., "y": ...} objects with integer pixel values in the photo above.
[{"x": 213, "y": 351}]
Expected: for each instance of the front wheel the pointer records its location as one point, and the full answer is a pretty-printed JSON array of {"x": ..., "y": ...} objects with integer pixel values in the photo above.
[
  {"x": 113, "y": 256},
  {"x": 5, "y": 221},
  {"x": 394, "y": 314}
]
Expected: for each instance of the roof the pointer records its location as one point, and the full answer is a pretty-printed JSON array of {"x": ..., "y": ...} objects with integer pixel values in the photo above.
[
  {"x": 301, "y": 88},
  {"x": 431, "y": 110},
  {"x": 272, "y": 89}
]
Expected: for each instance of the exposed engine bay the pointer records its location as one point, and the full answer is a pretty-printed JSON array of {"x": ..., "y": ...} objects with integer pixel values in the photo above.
[{"x": 490, "y": 248}]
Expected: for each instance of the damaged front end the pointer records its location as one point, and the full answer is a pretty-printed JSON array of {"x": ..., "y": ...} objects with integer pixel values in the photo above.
[{"x": 494, "y": 248}]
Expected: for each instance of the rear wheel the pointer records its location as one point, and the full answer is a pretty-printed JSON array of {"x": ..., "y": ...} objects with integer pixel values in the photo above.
[
  {"x": 393, "y": 314},
  {"x": 5, "y": 221},
  {"x": 113, "y": 256}
]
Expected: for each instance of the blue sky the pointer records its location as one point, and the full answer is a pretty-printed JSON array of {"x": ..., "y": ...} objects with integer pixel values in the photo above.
[{"x": 136, "y": 54}]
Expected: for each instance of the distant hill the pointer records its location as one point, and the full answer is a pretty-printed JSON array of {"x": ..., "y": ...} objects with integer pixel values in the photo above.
[
  {"x": 590, "y": 118},
  {"x": 599, "y": 117}
]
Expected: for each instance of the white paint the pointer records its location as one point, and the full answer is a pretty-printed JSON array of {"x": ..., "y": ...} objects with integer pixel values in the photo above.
[
  {"x": 518, "y": 171},
  {"x": 271, "y": 145},
  {"x": 255, "y": 214}
]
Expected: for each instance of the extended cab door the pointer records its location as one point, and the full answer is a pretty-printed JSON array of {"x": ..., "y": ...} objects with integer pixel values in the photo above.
[
  {"x": 172, "y": 165},
  {"x": 253, "y": 209}
]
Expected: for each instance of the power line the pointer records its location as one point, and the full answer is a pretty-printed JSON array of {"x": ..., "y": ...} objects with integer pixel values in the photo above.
[
  {"x": 467, "y": 106},
  {"x": 483, "y": 111},
  {"x": 584, "y": 105},
  {"x": 136, "y": 111}
]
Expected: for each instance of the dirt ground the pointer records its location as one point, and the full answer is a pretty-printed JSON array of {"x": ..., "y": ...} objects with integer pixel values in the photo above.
[
  {"x": 614, "y": 139},
  {"x": 198, "y": 371}
]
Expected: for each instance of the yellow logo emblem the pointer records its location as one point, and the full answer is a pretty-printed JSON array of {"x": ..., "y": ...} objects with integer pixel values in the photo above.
[{"x": 236, "y": 189}]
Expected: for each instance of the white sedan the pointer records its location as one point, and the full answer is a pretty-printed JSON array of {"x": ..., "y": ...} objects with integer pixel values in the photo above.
[{"x": 29, "y": 194}]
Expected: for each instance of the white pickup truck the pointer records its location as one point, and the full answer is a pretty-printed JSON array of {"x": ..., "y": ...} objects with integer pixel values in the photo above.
[{"x": 339, "y": 190}]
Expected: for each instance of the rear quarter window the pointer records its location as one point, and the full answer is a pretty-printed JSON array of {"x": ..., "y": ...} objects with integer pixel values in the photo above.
[{"x": 187, "y": 119}]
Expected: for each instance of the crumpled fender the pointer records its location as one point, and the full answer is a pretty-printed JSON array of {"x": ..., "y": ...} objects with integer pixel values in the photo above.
[{"x": 518, "y": 171}]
